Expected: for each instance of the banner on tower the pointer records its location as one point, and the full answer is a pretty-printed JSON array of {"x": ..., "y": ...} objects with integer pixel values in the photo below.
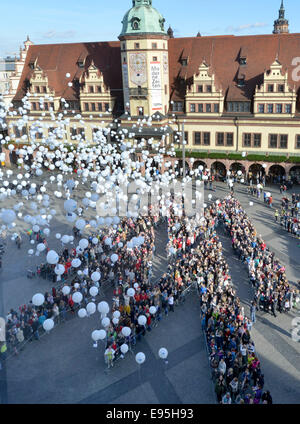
[
  {"x": 156, "y": 93},
  {"x": 126, "y": 85}
]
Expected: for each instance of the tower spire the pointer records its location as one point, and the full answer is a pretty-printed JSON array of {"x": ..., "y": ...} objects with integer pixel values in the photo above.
[{"x": 281, "y": 25}]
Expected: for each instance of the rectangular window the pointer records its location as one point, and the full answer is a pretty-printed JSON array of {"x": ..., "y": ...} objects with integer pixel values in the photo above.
[
  {"x": 52, "y": 106},
  {"x": 186, "y": 137},
  {"x": 136, "y": 45},
  {"x": 206, "y": 139},
  {"x": 46, "y": 106},
  {"x": 91, "y": 89},
  {"x": 86, "y": 107},
  {"x": 208, "y": 89},
  {"x": 270, "y": 88},
  {"x": 44, "y": 89},
  {"x": 247, "y": 140},
  {"x": 37, "y": 89},
  {"x": 93, "y": 107},
  {"x": 106, "y": 105},
  {"x": 257, "y": 140},
  {"x": 17, "y": 132},
  {"x": 235, "y": 107},
  {"x": 273, "y": 141},
  {"x": 229, "y": 139},
  {"x": 281, "y": 88},
  {"x": 283, "y": 141},
  {"x": 34, "y": 106},
  {"x": 80, "y": 131},
  {"x": 177, "y": 106},
  {"x": 193, "y": 107},
  {"x": 200, "y": 88},
  {"x": 99, "y": 89},
  {"x": 270, "y": 108},
  {"x": 100, "y": 107},
  {"x": 197, "y": 138},
  {"x": 216, "y": 107},
  {"x": 247, "y": 107},
  {"x": 261, "y": 108},
  {"x": 154, "y": 45},
  {"x": 200, "y": 108},
  {"x": 208, "y": 108},
  {"x": 288, "y": 108},
  {"x": 297, "y": 141},
  {"x": 220, "y": 139},
  {"x": 154, "y": 58},
  {"x": 229, "y": 107},
  {"x": 141, "y": 111},
  {"x": 278, "y": 108}
]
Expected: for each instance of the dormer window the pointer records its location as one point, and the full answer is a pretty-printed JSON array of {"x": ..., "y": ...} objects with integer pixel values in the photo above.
[
  {"x": 184, "y": 62},
  {"x": 241, "y": 82},
  {"x": 270, "y": 88},
  {"x": 208, "y": 88},
  {"x": 135, "y": 24},
  {"x": 281, "y": 88},
  {"x": 243, "y": 61}
]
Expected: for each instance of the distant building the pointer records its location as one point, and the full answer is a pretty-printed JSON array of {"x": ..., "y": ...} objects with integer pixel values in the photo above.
[{"x": 7, "y": 68}]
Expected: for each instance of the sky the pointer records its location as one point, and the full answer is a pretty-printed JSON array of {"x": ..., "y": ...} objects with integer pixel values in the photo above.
[{"x": 70, "y": 21}]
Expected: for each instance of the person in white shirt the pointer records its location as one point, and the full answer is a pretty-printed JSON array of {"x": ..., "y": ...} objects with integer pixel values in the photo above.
[{"x": 171, "y": 302}]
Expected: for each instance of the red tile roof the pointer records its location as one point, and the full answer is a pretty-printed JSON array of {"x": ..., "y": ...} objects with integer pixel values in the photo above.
[
  {"x": 56, "y": 60},
  {"x": 222, "y": 53}
]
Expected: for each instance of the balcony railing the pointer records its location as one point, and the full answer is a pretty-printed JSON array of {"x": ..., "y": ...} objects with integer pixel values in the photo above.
[{"x": 138, "y": 92}]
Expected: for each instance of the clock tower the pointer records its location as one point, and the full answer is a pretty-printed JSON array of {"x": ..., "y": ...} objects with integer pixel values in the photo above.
[{"x": 144, "y": 55}]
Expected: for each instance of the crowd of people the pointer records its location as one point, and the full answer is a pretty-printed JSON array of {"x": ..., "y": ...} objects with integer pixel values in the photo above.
[
  {"x": 273, "y": 291},
  {"x": 289, "y": 215}
]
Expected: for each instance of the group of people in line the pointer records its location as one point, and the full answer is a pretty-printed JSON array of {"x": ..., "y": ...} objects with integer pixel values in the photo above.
[{"x": 289, "y": 215}]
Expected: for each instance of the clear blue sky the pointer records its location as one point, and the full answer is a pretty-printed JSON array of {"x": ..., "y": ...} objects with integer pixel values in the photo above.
[{"x": 66, "y": 21}]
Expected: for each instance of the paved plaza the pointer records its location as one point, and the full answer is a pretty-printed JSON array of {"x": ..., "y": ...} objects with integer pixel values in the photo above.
[{"x": 63, "y": 367}]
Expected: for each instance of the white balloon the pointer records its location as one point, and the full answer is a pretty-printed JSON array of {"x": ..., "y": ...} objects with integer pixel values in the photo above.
[
  {"x": 40, "y": 247},
  {"x": 77, "y": 297},
  {"x": 117, "y": 314},
  {"x": 142, "y": 320},
  {"x": 66, "y": 290},
  {"x": 83, "y": 243},
  {"x": 8, "y": 216},
  {"x": 103, "y": 307},
  {"x": 126, "y": 331},
  {"x": 130, "y": 292},
  {"x": 48, "y": 324},
  {"x": 140, "y": 358},
  {"x": 163, "y": 353},
  {"x": 76, "y": 263},
  {"x": 96, "y": 276},
  {"x": 124, "y": 348},
  {"x": 52, "y": 257},
  {"x": 114, "y": 258},
  {"x": 152, "y": 310},
  {"x": 91, "y": 308},
  {"x": 82, "y": 313},
  {"x": 59, "y": 269},
  {"x": 93, "y": 291},
  {"x": 80, "y": 224},
  {"x": 102, "y": 334},
  {"x": 105, "y": 322},
  {"x": 65, "y": 239},
  {"x": 95, "y": 335},
  {"x": 70, "y": 205},
  {"x": 38, "y": 299}
]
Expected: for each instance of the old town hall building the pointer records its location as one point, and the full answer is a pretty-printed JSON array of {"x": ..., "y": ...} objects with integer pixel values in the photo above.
[{"x": 236, "y": 96}]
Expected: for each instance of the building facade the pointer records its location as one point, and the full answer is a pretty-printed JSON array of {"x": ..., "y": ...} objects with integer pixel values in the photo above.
[{"x": 237, "y": 97}]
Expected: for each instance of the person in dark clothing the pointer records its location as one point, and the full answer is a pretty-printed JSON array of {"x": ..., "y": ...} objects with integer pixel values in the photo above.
[{"x": 267, "y": 398}]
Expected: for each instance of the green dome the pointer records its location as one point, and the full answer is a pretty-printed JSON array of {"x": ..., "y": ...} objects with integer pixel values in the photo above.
[{"x": 142, "y": 18}]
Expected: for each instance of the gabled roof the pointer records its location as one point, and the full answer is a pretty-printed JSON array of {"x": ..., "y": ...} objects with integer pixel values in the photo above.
[
  {"x": 56, "y": 60},
  {"x": 222, "y": 53}
]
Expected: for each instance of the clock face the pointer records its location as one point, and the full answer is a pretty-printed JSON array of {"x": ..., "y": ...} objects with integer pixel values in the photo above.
[
  {"x": 165, "y": 63},
  {"x": 138, "y": 68}
]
